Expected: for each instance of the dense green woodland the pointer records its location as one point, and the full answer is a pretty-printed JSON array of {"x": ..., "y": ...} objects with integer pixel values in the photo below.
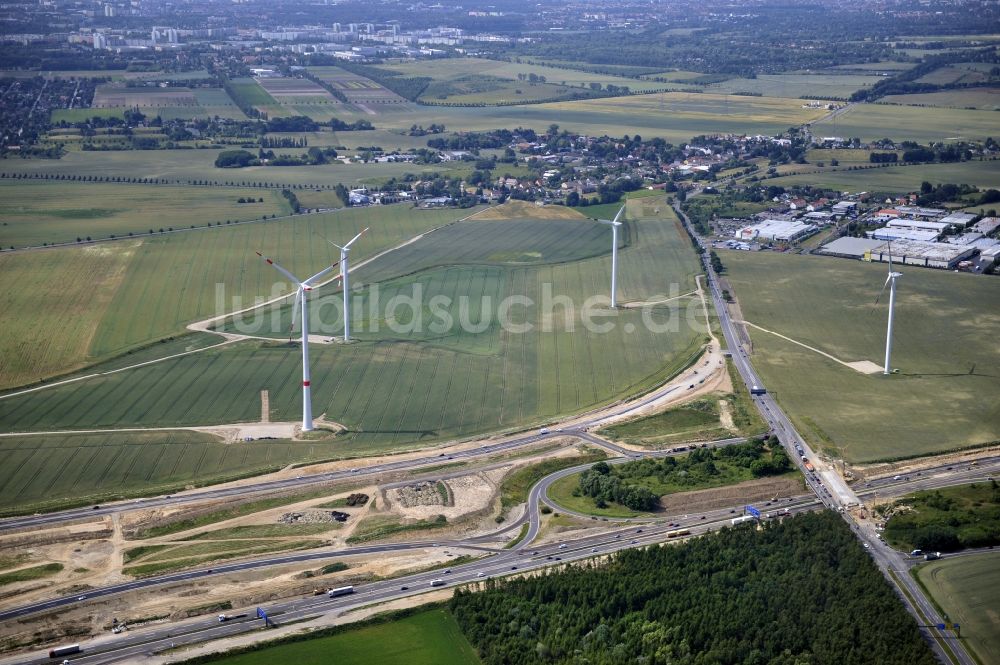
[{"x": 798, "y": 591}]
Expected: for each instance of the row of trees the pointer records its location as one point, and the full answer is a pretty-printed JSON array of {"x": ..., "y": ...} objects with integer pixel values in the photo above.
[{"x": 794, "y": 592}]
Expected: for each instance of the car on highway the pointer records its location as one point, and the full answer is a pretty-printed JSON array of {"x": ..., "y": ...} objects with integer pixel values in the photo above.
[
  {"x": 634, "y": 542},
  {"x": 480, "y": 574},
  {"x": 404, "y": 588},
  {"x": 562, "y": 546},
  {"x": 513, "y": 567}
]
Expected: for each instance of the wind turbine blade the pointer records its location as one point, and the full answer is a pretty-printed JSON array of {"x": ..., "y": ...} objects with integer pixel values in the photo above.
[
  {"x": 322, "y": 272},
  {"x": 300, "y": 293},
  {"x": 888, "y": 243},
  {"x": 620, "y": 211},
  {"x": 879, "y": 296},
  {"x": 348, "y": 245},
  {"x": 334, "y": 244},
  {"x": 277, "y": 267}
]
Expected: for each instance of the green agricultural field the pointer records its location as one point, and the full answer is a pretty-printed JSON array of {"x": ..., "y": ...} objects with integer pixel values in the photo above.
[
  {"x": 967, "y": 590},
  {"x": 189, "y": 166},
  {"x": 515, "y": 487},
  {"x": 695, "y": 421},
  {"x": 247, "y": 92},
  {"x": 943, "y": 346},
  {"x": 149, "y": 289},
  {"x": 81, "y": 115},
  {"x": 900, "y": 179},
  {"x": 76, "y": 289},
  {"x": 617, "y": 70},
  {"x": 393, "y": 390},
  {"x": 798, "y": 86},
  {"x": 987, "y": 99},
  {"x": 55, "y": 470},
  {"x": 449, "y": 76},
  {"x": 881, "y": 66},
  {"x": 428, "y": 637},
  {"x": 30, "y": 574},
  {"x": 955, "y": 74},
  {"x": 58, "y": 211},
  {"x": 871, "y": 122}
]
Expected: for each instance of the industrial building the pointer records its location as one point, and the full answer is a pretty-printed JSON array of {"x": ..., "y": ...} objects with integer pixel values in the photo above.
[
  {"x": 926, "y": 213},
  {"x": 893, "y": 234},
  {"x": 958, "y": 219},
  {"x": 850, "y": 248},
  {"x": 986, "y": 225},
  {"x": 926, "y": 254},
  {"x": 918, "y": 225},
  {"x": 771, "y": 230}
]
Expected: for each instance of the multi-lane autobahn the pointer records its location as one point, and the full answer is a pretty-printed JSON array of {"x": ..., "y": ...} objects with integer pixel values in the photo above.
[
  {"x": 828, "y": 485},
  {"x": 523, "y": 557},
  {"x": 829, "y": 489}
]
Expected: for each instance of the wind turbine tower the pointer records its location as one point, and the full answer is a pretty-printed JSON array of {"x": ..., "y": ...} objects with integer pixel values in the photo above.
[
  {"x": 890, "y": 281},
  {"x": 614, "y": 256},
  {"x": 343, "y": 275},
  {"x": 301, "y": 302}
]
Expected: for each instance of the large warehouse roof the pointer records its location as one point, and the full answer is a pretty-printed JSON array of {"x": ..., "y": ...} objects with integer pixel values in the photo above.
[{"x": 851, "y": 247}]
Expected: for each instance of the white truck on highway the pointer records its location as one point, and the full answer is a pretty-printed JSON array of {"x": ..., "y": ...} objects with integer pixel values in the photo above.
[{"x": 340, "y": 591}]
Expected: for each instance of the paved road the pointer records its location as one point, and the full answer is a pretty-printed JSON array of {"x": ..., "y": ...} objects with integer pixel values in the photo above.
[
  {"x": 832, "y": 490},
  {"x": 108, "y": 649},
  {"x": 148, "y": 640}
]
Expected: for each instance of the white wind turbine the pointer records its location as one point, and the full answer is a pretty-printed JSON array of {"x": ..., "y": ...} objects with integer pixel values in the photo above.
[
  {"x": 300, "y": 303},
  {"x": 614, "y": 255},
  {"x": 890, "y": 281},
  {"x": 343, "y": 275}
]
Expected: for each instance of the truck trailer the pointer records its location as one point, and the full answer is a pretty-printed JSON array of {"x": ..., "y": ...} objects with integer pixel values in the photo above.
[
  {"x": 67, "y": 650},
  {"x": 340, "y": 591}
]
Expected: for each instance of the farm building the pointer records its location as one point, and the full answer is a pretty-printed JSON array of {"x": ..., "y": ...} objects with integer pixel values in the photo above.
[
  {"x": 777, "y": 231},
  {"x": 927, "y": 254}
]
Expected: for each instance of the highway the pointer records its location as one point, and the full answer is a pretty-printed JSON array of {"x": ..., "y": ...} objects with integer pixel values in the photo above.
[
  {"x": 832, "y": 492},
  {"x": 828, "y": 485},
  {"x": 150, "y": 639},
  {"x": 524, "y": 556},
  {"x": 575, "y": 427}
]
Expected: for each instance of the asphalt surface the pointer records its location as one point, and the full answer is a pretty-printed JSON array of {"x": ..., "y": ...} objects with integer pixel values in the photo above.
[
  {"x": 828, "y": 485},
  {"x": 830, "y": 489}
]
